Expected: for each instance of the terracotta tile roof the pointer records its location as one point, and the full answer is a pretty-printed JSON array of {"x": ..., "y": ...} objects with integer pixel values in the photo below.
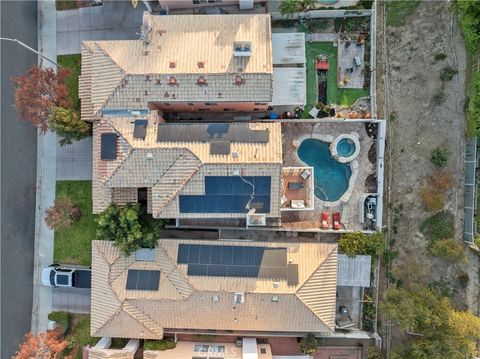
[
  {"x": 186, "y": 302},
  {"x": 186, "y": 40},
  {"x": 128, "y": 74},
  {"x": 172, "y": 168}
]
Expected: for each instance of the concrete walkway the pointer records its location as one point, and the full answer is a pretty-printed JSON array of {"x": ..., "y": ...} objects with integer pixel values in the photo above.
[
  {"x": 74, "y": 162},
  {"x": 46, "y": 178},
  {"x": 114, "y": 20}
]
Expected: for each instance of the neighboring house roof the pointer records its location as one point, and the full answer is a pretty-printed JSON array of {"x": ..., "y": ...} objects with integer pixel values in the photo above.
[
  {"x": 301, "y": 301},
  {"x": 128, "y": 74},
  {"x": 174, "y": 160}
]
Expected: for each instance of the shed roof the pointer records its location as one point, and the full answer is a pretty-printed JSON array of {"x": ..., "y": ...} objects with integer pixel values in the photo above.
[
  {"x": 288, "y": 48},
  {"x": 354, "y": 271},
  {"x": 289, "y": 86}
]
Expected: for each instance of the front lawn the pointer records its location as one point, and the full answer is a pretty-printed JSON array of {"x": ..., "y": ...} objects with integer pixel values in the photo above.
[
  {"x": 73, "y": 63},
  {"x": 74, "y": 245},
  {"x": 66, "y": 4},
  {"x": 335, "y": 95}
]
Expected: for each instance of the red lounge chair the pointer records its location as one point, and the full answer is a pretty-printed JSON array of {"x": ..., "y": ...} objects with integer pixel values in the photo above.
[
  {"x": 324, "y": 220},
  {"x": 336, "y": 220}
]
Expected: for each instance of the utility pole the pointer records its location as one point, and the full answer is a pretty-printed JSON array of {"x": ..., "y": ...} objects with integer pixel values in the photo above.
[{"x": 29, "y": 48}]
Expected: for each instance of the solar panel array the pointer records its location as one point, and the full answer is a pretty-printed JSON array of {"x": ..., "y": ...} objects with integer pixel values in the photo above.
[
  {"x": 236, "y": 261},
  {"x": 229, "y": 194},
  {"x": 143, "y": 279}
]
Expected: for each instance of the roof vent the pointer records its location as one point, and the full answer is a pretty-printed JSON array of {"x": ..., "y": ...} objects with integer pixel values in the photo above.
[
  {"x": 235, "y": 154},
  {"x": 276, "y": 284},
  {"x": 242, "y": 49},
  {"x": 275, "y": 298},
  {"x": 149, "y": 156},
  {"x": 201, "y": 64},
  {"x": 215, "y": 299},
  {"x": 238, "y": 298}
]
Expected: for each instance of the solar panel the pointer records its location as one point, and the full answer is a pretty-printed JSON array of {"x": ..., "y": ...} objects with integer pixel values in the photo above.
[
  {"x": 140, "y": 129},
  {"x": 237, "y": 261},
  {"x": 220, "y": 148},
  {"x": 108, "y": 144},
  {"x": 239, "y": 132},
  {"x": 143, "y": 279}
]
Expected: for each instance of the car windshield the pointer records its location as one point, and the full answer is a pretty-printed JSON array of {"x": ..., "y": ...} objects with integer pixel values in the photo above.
[{"x": 52, "y": 277}]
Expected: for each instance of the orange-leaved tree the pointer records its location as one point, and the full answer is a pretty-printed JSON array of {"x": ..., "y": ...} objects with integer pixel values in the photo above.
[
  {"x": 45, "y": 345},
  {"x": 38, "y": 91}
]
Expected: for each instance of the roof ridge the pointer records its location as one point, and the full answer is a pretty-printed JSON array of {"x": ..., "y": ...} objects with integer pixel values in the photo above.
[
  {"x": 182, "y": 185},
  {"x": 149, "y": 323},
  {"x": 121, "y": 69},
  {"x": 304, "y": 294}
]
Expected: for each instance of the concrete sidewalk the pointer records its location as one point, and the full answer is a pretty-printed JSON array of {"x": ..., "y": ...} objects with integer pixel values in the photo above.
[
  {"x": 46, "y": 178},
  {"x": 114, "y": 20}
]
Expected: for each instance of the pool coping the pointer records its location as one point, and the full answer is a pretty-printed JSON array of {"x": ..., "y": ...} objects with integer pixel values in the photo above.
[{"x": 353, "y": 167}]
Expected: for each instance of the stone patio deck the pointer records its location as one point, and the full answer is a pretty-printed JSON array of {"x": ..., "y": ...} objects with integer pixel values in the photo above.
[{"x": 349, "y": 210}]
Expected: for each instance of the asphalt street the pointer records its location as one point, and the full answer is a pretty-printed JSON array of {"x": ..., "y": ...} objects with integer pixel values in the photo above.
[{"x": 18, "y": 180}]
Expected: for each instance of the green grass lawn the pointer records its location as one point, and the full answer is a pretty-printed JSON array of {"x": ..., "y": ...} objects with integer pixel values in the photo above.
[
  {"x": 335, "y": 95},
  {"x": 66, "y": 4},
  {"x": 74, "y": 245},
  {"x": 398, "y": 11},
  {"x": 73, "y": 63}
]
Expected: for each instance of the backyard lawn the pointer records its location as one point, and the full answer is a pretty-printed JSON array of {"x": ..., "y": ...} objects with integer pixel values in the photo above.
[
  {"x": 334, "y": 95},
  {"x": 73, "y": 63},
  {"x": 73, "y": 245}
]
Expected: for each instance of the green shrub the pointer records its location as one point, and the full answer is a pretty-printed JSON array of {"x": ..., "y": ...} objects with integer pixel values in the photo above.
[
  {"x": 130, "y": 227},
  {"x": 368, "y": 316},
  {"x": 354, "y": 243},
  {"x": 447, "y": 73},
  {"x": 439, "y": 226},
  {"x": 308, "y": 344},
  {"x": 164, "y": 344},
  {"x": 473, "y": 106},
  {"x": 448, "y": 249},
  {"x": 439, "y": 57},
  {"x": 439, "y": 157},
  {"x": 63, "y": 319},
  {"x": 374, "y": 353}
]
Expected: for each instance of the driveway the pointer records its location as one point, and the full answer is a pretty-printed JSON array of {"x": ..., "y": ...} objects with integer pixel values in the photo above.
[
  {"x": 74, "y": 162},
  {"x": 73, "y": 300},
  {"x": 114, "y": 20}
]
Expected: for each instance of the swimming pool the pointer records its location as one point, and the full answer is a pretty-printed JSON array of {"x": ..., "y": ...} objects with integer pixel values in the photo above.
[
  {"x": 345, "y": 147},
  {"x": 331, "y": 177}
]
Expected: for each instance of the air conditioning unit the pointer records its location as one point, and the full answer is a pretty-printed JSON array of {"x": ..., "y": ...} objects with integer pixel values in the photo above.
[{"x": 242, "y": 49}]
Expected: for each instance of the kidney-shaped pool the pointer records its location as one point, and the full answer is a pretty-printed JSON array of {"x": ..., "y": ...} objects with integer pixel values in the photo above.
[{"x": 331, "y": 177}]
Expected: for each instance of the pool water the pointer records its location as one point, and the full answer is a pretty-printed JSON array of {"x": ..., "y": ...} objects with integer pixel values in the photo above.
[
  {"x": 345, "y": 147},
  {"x": 331, "y": 177}
]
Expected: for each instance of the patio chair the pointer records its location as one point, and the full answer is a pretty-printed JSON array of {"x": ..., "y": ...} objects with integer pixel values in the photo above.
[
  {"x": 325, "y": 220},
  {"x": 336, "y": 220}
]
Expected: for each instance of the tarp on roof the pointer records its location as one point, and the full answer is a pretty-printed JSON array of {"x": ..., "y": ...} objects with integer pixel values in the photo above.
[
  {"x": 353, "y": 271},
  {"x": 289, "y": 86},
  {"x": 288, "y": 48}
]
